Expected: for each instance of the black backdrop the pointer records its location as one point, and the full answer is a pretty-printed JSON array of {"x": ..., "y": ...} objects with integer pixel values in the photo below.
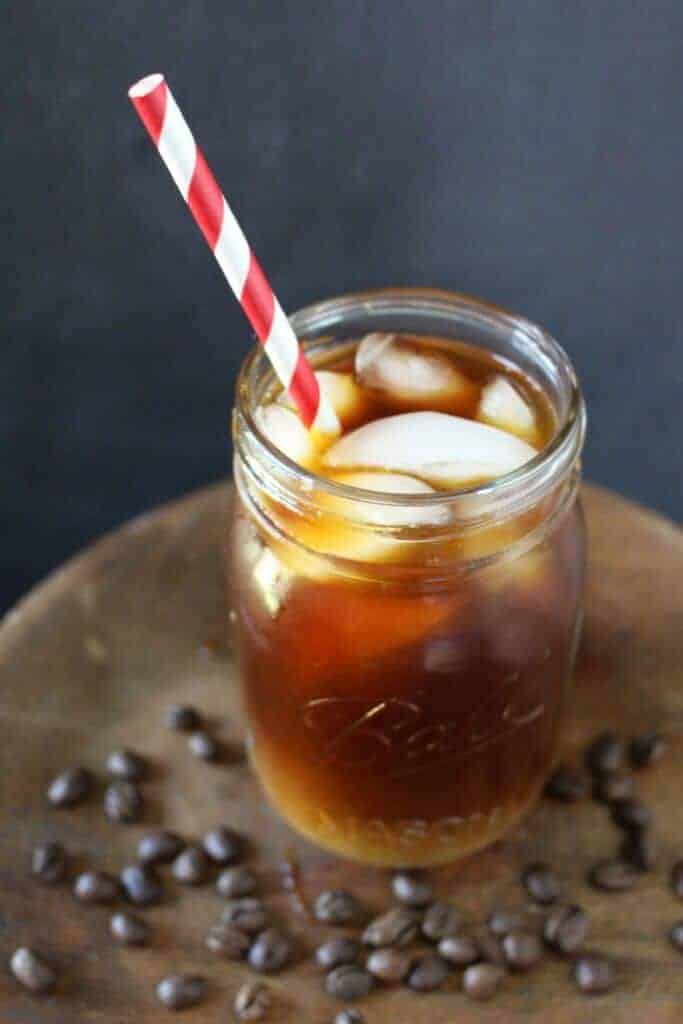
[{"x": 529, "y": 151}]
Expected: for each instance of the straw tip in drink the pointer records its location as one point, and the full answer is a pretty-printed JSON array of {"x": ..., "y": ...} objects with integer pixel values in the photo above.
[{"x": 145, "y": 86}]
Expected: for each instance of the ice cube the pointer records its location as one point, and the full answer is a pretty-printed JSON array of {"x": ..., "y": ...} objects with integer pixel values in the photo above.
[
  {"x": 502, "y": 406},
  {"x": 284, "y": 429},
  {"x": 392, "y": 515},
  {"x": 408, "y": 374},
  {"x": 346, "y": 398},
  {"x": 444, "y": 450}
]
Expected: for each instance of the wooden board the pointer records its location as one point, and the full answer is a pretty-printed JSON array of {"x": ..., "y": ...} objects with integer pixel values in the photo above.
[{"x": 91, "y": 659}]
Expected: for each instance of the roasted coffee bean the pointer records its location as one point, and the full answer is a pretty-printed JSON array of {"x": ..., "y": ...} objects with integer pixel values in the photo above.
[
  {"x": 613, "y": 875},
  {"x": 608, "y": 788},
  {"x": 428, "y": 973},
  {"x": 645, "y": 749},
  {"x": 397, "y": 927},
  {"x": 96, "y": 887},
  {"x": 203, "y": 746},
  {"x": 183, "y": 718},
  {"x": 676, "y": 936},
  {"x": 677, "y": 879},
  {"x": 565, "y": 929},
  {"x": 461, "y": 949},
  {"x": 129, "y": 930},
  {"x": 440, "y": 920},
  {"x": 541, "y": 883},
  {"x": 222, "y": 845},
  {"x": 31, "y": 971},
  {"x": 123, "y": 802},
  {"x": 159, "y": 847},
  {"x": 522, "y": 949},
  {"x": 605, "y": 754},
  {"x": 141, "y": 884},
  {"x": 412, "y": 889},
  {"x": 640, "y": 848},
  {"x": 337, "y": 951},
  {"x": 389, "y": 964},
  {"x": 490, "y": 948},
  {"x": 631, "y": 814},
  {"x": 482, "y": 981},
  {"x": 270, "y": 951},
  {"x": 126, "y": 764},
  {"x": 234, "y": 882},
  {"x": 48, "y": 862},
  {"x": 252, "y": 1001},
  {"x": 249, "y": 915},
  {"x": 349, "y": 1016},
  {"x": 191, "y": 866},
  {"x": 228, "y": 941},
  {"x": 337, "y": 906},
  {"x": 566, "y": 784},
  {"x": 70, "y": 787},
  {"x": 501, "y": 922},
  {"x": 181, "y": 991},
  {"x": 592, "y": 973},
  {"x": 348, "y": 982}
]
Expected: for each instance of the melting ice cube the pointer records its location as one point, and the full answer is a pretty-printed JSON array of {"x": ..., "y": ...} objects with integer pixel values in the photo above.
[
  {"x": 284, "y": 429},
  {"x": 345, "y": 397},
  {"x": 393, "y": 483},
  {"x": 502, "y": 406}
]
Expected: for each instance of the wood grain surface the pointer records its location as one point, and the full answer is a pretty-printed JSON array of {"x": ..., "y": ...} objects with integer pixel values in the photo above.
[{"x": 92, "y": 658}]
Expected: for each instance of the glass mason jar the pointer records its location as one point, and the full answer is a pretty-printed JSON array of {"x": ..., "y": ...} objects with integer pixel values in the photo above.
[{"x": 405, "y": 675}]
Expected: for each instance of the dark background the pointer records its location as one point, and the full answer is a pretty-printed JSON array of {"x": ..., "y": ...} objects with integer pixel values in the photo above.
[{"x": 528, "y": 151}]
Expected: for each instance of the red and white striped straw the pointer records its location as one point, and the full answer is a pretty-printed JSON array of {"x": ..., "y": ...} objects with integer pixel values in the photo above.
[{"x": 168, "y": 129}]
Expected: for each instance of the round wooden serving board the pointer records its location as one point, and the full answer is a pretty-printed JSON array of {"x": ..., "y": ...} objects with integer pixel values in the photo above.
[{"x": 92, "y": 658}]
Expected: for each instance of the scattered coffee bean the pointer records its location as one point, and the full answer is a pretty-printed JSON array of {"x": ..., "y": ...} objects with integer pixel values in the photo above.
[
  {"x": 337, "y": 906},
  {"x": 126, "y": 764},
  {"x": 181, "y": 991},
  {"x": 460, "y": 950},
  {"x": 605, "y": 754},
  {"x": 191, "y": 866},
  {"x": 249, "y": 915},
  {"x": 645, "y": 749},
  {"x": 677, "y": 879},
  {"x": 123, "y": 802},
  {"x": 228, "y": 941},
  {"x": 203, "y": 746},
  {"x": 592, "y": 973},
  {"x": 129, "y": 930},
  {"x": 159, "y": 847},
  {"x": 252, "y": 1001},
  {"x": 676, "y": 936},
  {"x": 566, "y": 784},
  {"x": 337, "y": 951},
  {"x": 613, "y": 875},
  {"x": 183, "y": 718},
  {"x": 640, "y": 848},
  {"x": 411, "y": 889},
  {"x": 397, "y": 927},
  {"x": 141, "y": 884},
  {"x": 608, "y": 788},
  {"x": 270, "y": 951},
  {"x": 522, "y": 949},
  {"x": 349, "y": 1016},
  {"x": 239, "y": 881},
  {"x": 348, "y": 982},
  {"x": 96, "y": 887},
  {"x": 428, "y": 973},
  {"x": 389, "y": 965},
  {"x": 501, "y": 922},
  {"x": 541, "y": 883},
  {"x": 48, "y": 862},
  {"x": 565, "y": 929},
  {"x": 31, "y": 971},
  {"x": 440, "y": 920},
  {"x": 490, "y": 948},
  {"x": 222, "y": 845},
  {"x": 70, "y": 787},
  {"x": 482, "y": 981},
  {"x": 631, "y": 814}
]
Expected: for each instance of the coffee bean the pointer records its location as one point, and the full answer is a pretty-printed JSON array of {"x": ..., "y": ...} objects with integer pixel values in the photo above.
[
  {"x": 249, "y": 915},
  {"x": 125, "y": 764},
  {"x": 222, "y": 845},
  {"x": 565, "y": 929},
  {"x": 605, "y": 754},
  {"x": 490, "y": 948},
  {"x": 183, "y": 718},
  {"x": 141, "y": 884},
  {"x": 608, "y": 788},
  {"x": 645, "y": 749},
  {"x": 501, "y": 922},
  {"x": 191, "y": 867},
  {"x": 252, "y": 1001},
  {"x": 440, "y": 920},
  {"x": 522, "y": 949},
  {"x": 482, "y": 981},
  {"x": 348, "y": 982},
  {"x": 129, "y": 930},
  {"x": 70, "y": 787},
  {"x": 631, "y": 814},
  {"x": 428, "y": 973},
  {"x": 640, "y": 848},
  {"x": 677, "y": 879},
  {"x": 270, "y": 951},
  {"x": 31, "y": 971},
  {"x": 460, "y": 950},
  {"x": 239, "y": 881},
  {"x": 159, "y": 847},
  {"x": 337, "y": 951},
  {"x": 566, "y": 785},
  {"x": 228, "y": 941},
  {"x": 389, "y": 964},
  {"x": 181, "y": 991},
  {"x": 337, "y": 906},
  {"x": 397, "y": 927},
  {"x": 541, "y": 883},
  {"x": 412, "y": 889},
  {"x": 48, "y": 862},
  {"x": 613, "y": 875},
  {"x": 123, "y": 802},
  {"x": 349, "y": 1016},
  {"x": 96, "y": 887},
  {"x": 203, "y": 746},
  {"x": 676, "y": 936},
  {"x": 592, "y": 973}
]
